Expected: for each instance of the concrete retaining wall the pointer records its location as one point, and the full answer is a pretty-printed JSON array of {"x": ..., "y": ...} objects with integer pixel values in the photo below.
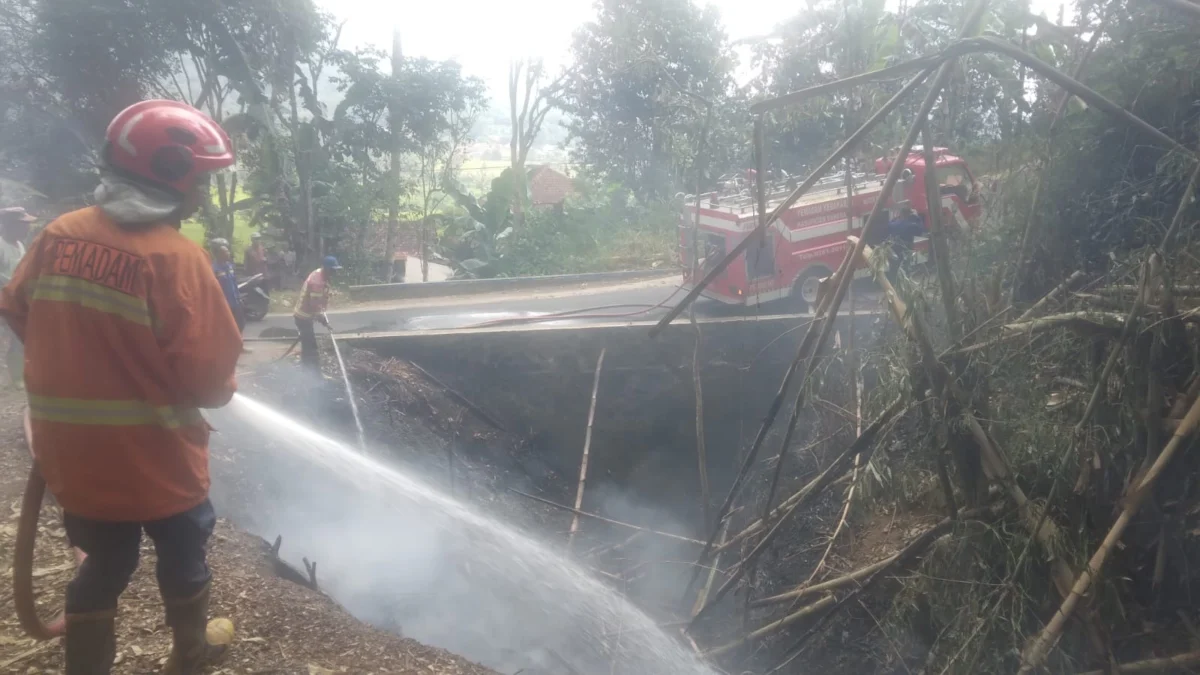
[
  {"x": 438, "y": 289},
  {"x": 538, "y": 380}
]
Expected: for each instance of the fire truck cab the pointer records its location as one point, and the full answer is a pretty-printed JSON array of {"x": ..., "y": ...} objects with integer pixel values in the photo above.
[{"x": 808, "y": 241}]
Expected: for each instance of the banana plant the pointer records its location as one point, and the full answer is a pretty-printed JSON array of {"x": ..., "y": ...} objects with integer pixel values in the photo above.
[{"x": 478, "y": 237}]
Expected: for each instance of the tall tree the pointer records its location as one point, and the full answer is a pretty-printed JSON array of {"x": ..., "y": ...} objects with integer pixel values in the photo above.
[
  {"x": 395, "y": 116},
  {"x": 631, "y": 121},
  {"x": 528, "y": 104},
  {"x": 441, "y": 106}
]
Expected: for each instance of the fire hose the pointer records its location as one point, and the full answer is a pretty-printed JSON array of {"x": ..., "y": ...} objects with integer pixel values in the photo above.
[{"x": 23, "y": 598}]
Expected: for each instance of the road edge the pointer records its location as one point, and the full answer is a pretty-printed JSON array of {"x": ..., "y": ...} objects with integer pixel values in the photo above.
[{"x": 437, "y": 289}]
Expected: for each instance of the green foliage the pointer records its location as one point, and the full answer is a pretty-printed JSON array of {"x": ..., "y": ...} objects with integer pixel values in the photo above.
[
  {"x": 600, "y": 229},
  {"x": 635, "y": 93}
]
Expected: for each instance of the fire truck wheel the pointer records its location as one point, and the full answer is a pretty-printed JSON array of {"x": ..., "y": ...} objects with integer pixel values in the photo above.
[{"x": 804, "y": 292}]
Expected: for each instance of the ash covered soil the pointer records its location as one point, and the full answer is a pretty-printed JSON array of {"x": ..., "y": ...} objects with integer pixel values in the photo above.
[{"x": 282, "y": 627}]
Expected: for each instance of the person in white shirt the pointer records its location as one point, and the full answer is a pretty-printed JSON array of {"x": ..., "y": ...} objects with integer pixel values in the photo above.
[{"x": 14, "y": 228}]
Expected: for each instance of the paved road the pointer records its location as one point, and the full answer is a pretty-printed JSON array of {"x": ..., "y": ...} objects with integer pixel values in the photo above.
[
  {"x": 461, "y": 312},
  {"x": 604, "y": 303}
]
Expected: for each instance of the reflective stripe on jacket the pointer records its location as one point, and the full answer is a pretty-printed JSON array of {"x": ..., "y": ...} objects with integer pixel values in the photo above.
[
  {"x": 127, "y": 334},
  {"x": 314, "y": 295}
]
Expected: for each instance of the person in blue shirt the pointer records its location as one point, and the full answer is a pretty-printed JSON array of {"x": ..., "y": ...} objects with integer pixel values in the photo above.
[
  {"x": 222, "y": 266},
  {"x": 901, "y": 232}
]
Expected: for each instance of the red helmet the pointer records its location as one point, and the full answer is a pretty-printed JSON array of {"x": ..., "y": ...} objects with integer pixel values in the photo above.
[{"x": 166, "y": 143}]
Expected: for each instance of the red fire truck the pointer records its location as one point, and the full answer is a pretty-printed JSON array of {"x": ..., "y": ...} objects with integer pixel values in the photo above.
[{"x": 808, "y": 241}]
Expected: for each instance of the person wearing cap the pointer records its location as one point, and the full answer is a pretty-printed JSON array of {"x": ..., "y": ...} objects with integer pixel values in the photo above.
[
  {"x": 254, "y": 261},
  {"x": 14, "y": 228},
  {"x": 222, "y": 266},
  {"x": 310, "y": 309}
]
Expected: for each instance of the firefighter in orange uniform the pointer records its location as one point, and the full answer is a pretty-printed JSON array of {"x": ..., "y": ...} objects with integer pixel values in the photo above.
[
  {"x": 314, "y": 298},
  {"x": 127, "y": 335}
]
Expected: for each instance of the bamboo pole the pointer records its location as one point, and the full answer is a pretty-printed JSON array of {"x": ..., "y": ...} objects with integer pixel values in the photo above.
[
  {"x": 1037, "y": 651},
  {"x": 803, "y": 591},
  {"x": 701, "y": 446},
  {"x": 1087, "y": 322},
  {"x": 862, "y": 445},
  {"x": 702, "y": 597},
  {"x": 937, "y": 234},
  {"x": 913, "y": 549},
  {"x": 759, "y": 524},
  {"x": 1051, "y": 296},
  {"x": 806, "y": 611},
  {"x": 587, "y": 444}
]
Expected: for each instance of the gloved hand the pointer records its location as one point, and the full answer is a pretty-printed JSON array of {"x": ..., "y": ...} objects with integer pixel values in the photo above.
[{"x": 324, "y": 321}]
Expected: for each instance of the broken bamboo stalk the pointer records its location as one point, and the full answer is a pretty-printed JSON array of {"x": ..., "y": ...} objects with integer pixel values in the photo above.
[
  {"x": 702, "y": 597},
  {"x": 841, "y": 520},
  {"x": 701, "y": 447},
  {"x": 913, "y": 549},
  {"x": 803, "y": 591},
  {"x": 806, "y": 611},
  {"x": 1051, "y": 296},
  {"x": 1087, "y": 322},
  {"x": 610, "y": 521},
  {"x": 1037, "y": 651},
  {"x": 937, "y": 235},
  {"x": 1177, "y": 662},
  {"x": 458, "y": 396},
  {"x": 1121, "y": 290},
  {"x": 587, "y": 444},
  {"x": 863, "y": 445},
  {"x": 1105, "y": 321},
  {"x": 758, "y": 525},
  {"x": 1115, "y": 354}
]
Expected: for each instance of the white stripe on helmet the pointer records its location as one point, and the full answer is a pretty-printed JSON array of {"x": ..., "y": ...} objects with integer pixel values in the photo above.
[{"x": 123, "y": 138}]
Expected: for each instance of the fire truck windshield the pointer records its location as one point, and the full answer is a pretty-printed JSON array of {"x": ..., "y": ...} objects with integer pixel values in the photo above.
[
  {"x": 954, "y": 180},
  {"x": 953, "y": 175}
]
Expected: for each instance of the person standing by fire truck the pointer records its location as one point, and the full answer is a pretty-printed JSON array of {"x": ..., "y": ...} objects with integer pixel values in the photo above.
[{"x": 127, "y": 335}]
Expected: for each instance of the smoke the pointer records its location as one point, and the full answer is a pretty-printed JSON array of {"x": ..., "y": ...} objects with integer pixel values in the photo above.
[{"x": 401, "y": 555}]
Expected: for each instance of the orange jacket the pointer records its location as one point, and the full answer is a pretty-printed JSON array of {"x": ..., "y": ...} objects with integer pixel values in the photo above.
[
  {"x": 314, "y": 296},
  {"x": 126, "y": 335}
]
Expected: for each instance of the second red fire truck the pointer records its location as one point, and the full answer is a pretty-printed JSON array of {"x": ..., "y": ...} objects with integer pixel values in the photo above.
[{"x": 808, "y": 241}]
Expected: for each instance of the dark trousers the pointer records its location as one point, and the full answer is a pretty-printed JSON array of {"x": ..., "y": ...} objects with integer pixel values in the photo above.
[
  {"x": 309, "y": 356},
  {"x": 112, "y": 557},
  {"x": 239, "y": 317}
]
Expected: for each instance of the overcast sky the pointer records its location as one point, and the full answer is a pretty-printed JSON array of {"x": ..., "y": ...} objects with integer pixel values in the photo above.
[{"x": 484, "y": 35}]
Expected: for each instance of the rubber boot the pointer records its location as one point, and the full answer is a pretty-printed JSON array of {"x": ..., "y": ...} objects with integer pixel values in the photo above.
[
  {"x": 91, "y": 644},
  {"x": 188, "y": 621}
]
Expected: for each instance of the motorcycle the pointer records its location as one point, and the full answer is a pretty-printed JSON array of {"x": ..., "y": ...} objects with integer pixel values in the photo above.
[{"x": 256, "y": 301}]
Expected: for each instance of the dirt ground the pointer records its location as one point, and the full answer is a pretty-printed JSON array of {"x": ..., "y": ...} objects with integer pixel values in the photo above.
[{"x": 281, "y": 627}]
